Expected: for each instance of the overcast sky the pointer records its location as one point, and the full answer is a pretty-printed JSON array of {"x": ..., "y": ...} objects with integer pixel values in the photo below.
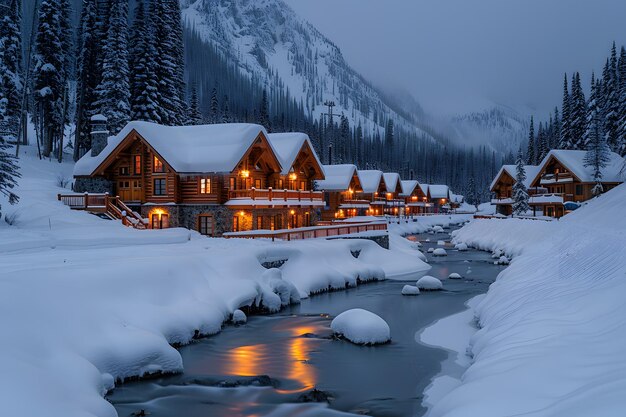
[{"x": 457, "y": 55}]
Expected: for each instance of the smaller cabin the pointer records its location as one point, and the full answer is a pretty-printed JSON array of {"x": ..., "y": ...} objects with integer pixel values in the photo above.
[
  {"x": 502, "y": 187},
  {"x": 395, "y": 205},
  {"x": 439, "y": 197},
  {"x": 414, "y": 197},
  {"x": 341, "y": 186},
  {"x": 374, "y": 190}
]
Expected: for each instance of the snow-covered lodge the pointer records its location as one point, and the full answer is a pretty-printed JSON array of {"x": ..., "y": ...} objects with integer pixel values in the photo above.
[
  {"x": 558, "y": 185},
  {"x": 213, "y": 178}
]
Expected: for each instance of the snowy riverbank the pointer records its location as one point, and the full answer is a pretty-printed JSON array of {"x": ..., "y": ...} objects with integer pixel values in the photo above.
[
  {"x": 553, "y": 327},
  {"x": 86, "y": 301}
]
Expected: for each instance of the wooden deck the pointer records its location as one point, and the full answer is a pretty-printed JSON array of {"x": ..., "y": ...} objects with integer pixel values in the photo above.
[
  {"x": 272, "y": 195},
  {"x": 114, "y": 207},
  {"x": 310, "y": 232}
]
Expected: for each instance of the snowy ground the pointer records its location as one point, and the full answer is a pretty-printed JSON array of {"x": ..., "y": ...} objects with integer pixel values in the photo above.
[
  {"x": 552, "y": 327},
  {"x": 85, "y": 302}
]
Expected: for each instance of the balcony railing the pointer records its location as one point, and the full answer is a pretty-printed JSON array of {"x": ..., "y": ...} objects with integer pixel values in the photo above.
[
  {"x": 275, "y": 195},
  {"x": 554, "y": 178}
]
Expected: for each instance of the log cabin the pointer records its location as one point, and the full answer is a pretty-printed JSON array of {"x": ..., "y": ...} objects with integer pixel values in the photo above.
[
  {"x": 502, "y": 187},
  {"x": 438, "y": 196},
  {"x": 374, "y": 190},
  {"x": 213, "y": 178},
  {"x": 414, "y": 198},
  {"x": 394, "y": 204},
  {"x": 340, "y": 187},
  {"x": 568, "y": 182}
]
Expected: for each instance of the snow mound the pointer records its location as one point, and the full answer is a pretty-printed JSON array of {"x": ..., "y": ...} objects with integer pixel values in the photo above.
[
  {"x": 461, "y": 247},
  {"x": 410, "y": 290},
  {"x": 431, "y": 250},
  {"x": 441, "y": 243},
  {"x": 239, "y": 317},
  {"x": 429, "y": 283},
  {"x": 361, "y": 327},
  {"x": 454, "y": 275},
  {"x": 438, "y": 229},
  {"x": 440, "y": 252},
  {"x": 502, "y": 261}
]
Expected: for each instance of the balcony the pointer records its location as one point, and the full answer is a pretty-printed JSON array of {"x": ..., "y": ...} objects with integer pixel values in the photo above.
[
  {"x": 275, "y": 198},
  {"x": 561, "y": 177}
]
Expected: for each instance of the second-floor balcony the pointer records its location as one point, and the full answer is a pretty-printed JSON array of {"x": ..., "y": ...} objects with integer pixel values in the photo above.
[
  {"x": 557, "y": 178},
  {"x": 275, "y": 198}
]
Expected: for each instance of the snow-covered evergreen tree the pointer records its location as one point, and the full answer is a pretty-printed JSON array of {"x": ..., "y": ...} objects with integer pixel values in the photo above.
[
  {"x": 578, "y": 114},
  {"x": 610, "y": 103},
  {"x": 51, "y": 69},
  {"x": 144, "y": 85},
  {"x": 565, "y": 141},
  {"x": 214, "y": 109},
  {"x": 226, "y": 118},
  {"x": 557, "y": 130},
  {"x": 621, "y": 131},
  {"x": 9, "y": 172},
  {"x": 264, "y": 114},
  {"x": 167, "y": 19},
  {"x": 598, "y": 151},
  {"x": 543, "y": 147},
  {"x": 530, "y": 152},
  {"x": 11, "y": 65},
  {"x": 195, "y": 117},
  {"x": 520, "y": 193},
  {"x": 113, "y": 92},
  {"x": 390, "y": 142}
]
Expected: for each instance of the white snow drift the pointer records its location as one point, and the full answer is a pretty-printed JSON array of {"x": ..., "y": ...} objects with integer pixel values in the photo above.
[
  {"x": 361, "y": 327},
  {"x": 429, "y": 283},
  {"x": 410, "y": 290}
]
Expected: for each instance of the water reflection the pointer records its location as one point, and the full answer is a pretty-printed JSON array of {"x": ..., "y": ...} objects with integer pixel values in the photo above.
[{"x": 246, "y": 360}]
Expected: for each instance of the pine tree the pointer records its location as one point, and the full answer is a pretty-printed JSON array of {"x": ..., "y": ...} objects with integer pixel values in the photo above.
[
  {"x": 621, "y": 131},
  {"x": 170, "y": 71},
  {"x": 113, "y": 92},
  {"x": 557, "y": 130},
  {"x": 565, "y": 141},
  {"x": 598, "y": 151},
  {"x": 215, "y": 107},
  {"x": 543, "y": 148},
  {"x": 578, "y": 114},
  {"x": 144, "y": 85},
  {"x": 225, "y": 110},
  {"x": 520, "y": 194},
  {"x": 389, "y": 142},
  {"x": 530, "y": 154},
  {"x": 51, "y": 68},
  {"x": 610, "y": 110},
  {"x": 11, "y": 65},
  {"x": 9, "y": 172},
  {"x": 264, "y": 117},
  {"x": 195, "y": 117}
]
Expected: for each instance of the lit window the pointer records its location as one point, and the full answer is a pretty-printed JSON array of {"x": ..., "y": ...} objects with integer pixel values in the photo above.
[
  {"x": 137, "y": 164},
  {"x": 205, "y": 185},
  {"x": 158, "y": 165}
]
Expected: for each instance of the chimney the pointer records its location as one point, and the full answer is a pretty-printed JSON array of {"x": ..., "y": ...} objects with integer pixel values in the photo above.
[{"x": 99, "y": 134}]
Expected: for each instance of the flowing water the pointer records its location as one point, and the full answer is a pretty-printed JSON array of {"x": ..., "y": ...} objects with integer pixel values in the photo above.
[{"x": 270, "y": 365}]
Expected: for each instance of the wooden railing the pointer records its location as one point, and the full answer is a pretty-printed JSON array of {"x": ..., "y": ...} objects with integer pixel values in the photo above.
[
  {"x": 310, "y": 232},
  {"x": 103, "y": 203},
  {"x": 271, "y": 194}
]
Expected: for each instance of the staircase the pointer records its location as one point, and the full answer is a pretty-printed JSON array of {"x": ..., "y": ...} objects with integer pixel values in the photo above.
[{"x": 113, "y": 207}]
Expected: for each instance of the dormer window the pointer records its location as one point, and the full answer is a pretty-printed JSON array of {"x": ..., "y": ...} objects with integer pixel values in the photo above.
[{"x": 158, "y": 165}]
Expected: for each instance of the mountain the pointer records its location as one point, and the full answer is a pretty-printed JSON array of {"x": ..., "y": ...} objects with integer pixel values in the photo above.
[
  {"x": 268, "y": 42},
  {"x": 500, "y": 128}
]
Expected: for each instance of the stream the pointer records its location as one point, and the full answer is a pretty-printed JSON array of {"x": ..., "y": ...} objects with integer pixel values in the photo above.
[{"x": 269, "y": 366}]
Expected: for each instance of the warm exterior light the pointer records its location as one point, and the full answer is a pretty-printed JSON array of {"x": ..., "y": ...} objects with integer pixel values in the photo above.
[
  {"x": 414, "y": 198},
  {"x": 350, "y": 191},
  {"x": 245, "y": 173},
  {"x": 241, "y": 213},
  {"x": 293, "y": 212},
  {"x": 293, "y": 176}
]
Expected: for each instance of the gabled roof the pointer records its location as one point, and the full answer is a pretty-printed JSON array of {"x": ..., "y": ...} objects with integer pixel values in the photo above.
[
  {"x": 408, "y": 186},
  {"x": 456, "y": 198},
  {"x": 338, "y": 177},
  {"x": 511, "y": 170},
  {"x": 392, "y": 180},
  {"x": 370, "y": 180},
  {"x": 574, "y": 161},
  {"x": 438, "y": 191},
  {"x": 187, "y": 149},
  {"x": 288, "y": 147},
  {"x": 424, "y": 188}
]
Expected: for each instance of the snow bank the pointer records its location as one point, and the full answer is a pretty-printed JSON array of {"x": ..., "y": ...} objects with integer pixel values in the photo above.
[
  {"x": 239, "y": 317},
  {"x": 85, "y": 302},
  {"x": 429, "y": 283},
  {"x": 361, "y": 327},
  {"x": 462, "y": 247},
  {"x": 553, "y": 326},
  {"x": 422, "y": 224},
  {"x": 410, "y": 290}
]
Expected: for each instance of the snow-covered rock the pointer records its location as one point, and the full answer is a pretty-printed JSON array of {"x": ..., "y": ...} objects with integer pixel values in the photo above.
[
  {"x": 455, "y": 275},
  {"x": 441, "y": 243},
  {"x": 438, "y": 229},
  {"x": 361, "y": 327},
  {"x": 239, "y": 317},
  {"x": 440, "y": 252},
  {"x": 502, "y": 261},
  {"x": 462, "y": 247},
  {"x": 429, "y": 283},
  {"x": 410, "y": 290},
  {"x": 431, "y": 250}
]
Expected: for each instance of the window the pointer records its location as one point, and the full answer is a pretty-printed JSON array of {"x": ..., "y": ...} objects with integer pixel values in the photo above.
[
  {"x": 259, "y": 222},
  {"x": 280, "y": 184},
  {"x": 231, "y": 184},
  {"x": 302, "y": 185},
  {"x": 257, "y": 183},
  {"x": 137, "y": 164},
  {"x": 123, "y": 170},
  {"x": 235, "y": 224},
  {"x": 160, "y": 221},
  {"x": 124, "y": 184},
  {"x": 579, "y": 189},
  {"x": 158, "y": 165},
  {"x": 206, "y": 225},
  {"x": 136, "y": 184},
  {"x": 160, "y": 186},
  {"x": 205, "y": 185}
]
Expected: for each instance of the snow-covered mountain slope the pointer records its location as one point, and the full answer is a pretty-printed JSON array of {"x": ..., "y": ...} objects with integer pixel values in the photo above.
[
  {"x": 270, "y": 42},
  {"x": 500, "y": 128}
]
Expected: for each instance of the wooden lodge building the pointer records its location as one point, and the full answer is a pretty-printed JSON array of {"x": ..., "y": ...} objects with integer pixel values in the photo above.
[
  {"x": 213, "y": 178},
  {"x": 558, "y": 185},
  {"x": 342, "y": 188},
  {"x": 414, "y": 198}
]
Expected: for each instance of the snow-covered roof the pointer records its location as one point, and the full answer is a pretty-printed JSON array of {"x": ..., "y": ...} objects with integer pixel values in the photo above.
[
  {"x": 531, "y": 173},
  {"x": 287, "y": 147},
  {"x": 391, "y": 181},
  {"x": 191, "y": 149},
  {"x": 438, "y": 191},
  {"x": 424, "y": 188},
  {"x": 408, "y": 186},
  {"x": 574, "y": 161},
  {"x": 456, "y": 198},
  {"x": 370, "y": 180},
  {"x": 337, "y": 177}
]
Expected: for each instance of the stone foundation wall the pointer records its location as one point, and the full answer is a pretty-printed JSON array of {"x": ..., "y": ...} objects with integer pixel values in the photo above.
[{"x": 95, "y": 185}]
